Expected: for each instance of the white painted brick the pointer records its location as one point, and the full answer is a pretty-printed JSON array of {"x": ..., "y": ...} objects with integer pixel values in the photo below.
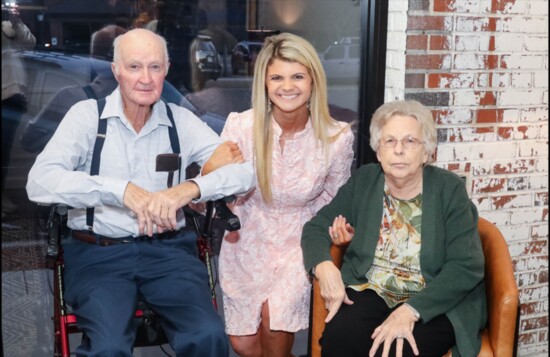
[
  {"x": 536, "y": 114},
  {"x": 545, "y": 97},
  {"x": 539, "y": 7},
  {"x": 539, "y": 350},
  {"x": 541, "y": 79},
  {"x": 509, "y": 42},
  {"x": 471, "y": 151},
  {"x": 397, "y": 22},
  {"x": 542, "y": 165},
  {"x": 469, "y": 61},
  {"x": 523, "y": 24},
  {"x": 396, "y": 60},
  {"x": 510, "y": 115},
  {"x": 467, "y": 134},
  {"x": 498, "y": 218},
  {"x": 522, "y": 80},
  {"x": 458, "y": 116},
  {"x": 521, "y": 61},
  {"x": 464, "y": 98},
  {"x": 464, "y": 80},
  {"x": 543, "y": 132},
  {"x": 483, "y": 203},
  {"x": 531, "y": 263},
  {"x": 466, "y": 6},
  {"x": 397, "y": 41},
  {"x": 533, "y": 149},
  {"x": 484, "y": 43},
  {"x": 516, "y": 7},
  {"x": 538, "y": 182},
  {"x": 394, "y": 94},
  {"x": 519, "y": 201},
  {"x": 398, "y": 5},
  {"x": 468, "y": 24},
  {"x": 520, "y": 97},
  {"x": 536, "y": 43},
  {"x": 540, "y": 231},
  {"x": 479, "y": 168},
  {"x": 514, "y": 233},
  {"x": 467, "y": 43},
  {"x": 533, "y": 294}
]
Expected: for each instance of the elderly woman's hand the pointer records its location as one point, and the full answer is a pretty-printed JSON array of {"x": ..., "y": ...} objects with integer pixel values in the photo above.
[
  {"x": 341, "y": 232},
  {"x": 332, "y": 287},
  {"x": 399, "y": 327}
]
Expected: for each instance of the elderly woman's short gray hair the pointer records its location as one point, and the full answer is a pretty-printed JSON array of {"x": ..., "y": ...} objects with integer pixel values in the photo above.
[{"x": 410, "y": 108}]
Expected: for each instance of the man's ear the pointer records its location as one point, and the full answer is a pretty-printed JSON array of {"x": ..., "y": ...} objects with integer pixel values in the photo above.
[{"x": 114, "y": 69}]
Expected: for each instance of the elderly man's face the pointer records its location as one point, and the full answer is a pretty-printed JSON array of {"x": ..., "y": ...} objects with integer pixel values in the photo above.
[
  {"x": 400, "y": 162},
  {"x": 140, "y": 68}
]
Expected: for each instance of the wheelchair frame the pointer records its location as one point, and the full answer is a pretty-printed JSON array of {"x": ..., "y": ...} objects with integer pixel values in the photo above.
[{"x": 65, "y": 323}]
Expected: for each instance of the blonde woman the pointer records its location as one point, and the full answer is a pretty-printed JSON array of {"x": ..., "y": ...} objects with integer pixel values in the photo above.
[{"x": 301, "y": 157}]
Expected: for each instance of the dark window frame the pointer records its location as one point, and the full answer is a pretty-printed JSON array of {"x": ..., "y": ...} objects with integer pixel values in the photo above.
[{"x": 374, "y": 24}]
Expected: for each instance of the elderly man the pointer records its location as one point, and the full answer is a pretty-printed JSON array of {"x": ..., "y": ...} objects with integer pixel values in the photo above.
[{"x": 126, "y": 226}]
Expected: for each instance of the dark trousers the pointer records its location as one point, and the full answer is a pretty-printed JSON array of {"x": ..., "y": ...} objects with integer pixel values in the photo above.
[
  {"x": 12, "y": 111},
  {"x": 103, "y": 283},
  {"x": 349, "y": 332}
]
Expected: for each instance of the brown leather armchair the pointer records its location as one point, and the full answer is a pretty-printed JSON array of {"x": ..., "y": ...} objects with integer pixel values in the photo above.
[{"x": 499, "y": 338}]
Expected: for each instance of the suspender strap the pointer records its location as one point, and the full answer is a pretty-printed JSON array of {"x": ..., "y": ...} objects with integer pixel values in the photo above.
[
  {"x": 100, "y": 140},
  {"x": 96, "y": 156},
  {"x": 89, "y": 91},
  {"x": 174, "y": 140}
]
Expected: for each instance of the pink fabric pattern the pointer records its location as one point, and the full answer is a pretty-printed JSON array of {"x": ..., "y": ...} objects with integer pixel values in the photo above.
[{"x": 263, "y": 260}]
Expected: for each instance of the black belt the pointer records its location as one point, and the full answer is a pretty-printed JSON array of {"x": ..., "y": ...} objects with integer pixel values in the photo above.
[{"x": 98, "y": 239}]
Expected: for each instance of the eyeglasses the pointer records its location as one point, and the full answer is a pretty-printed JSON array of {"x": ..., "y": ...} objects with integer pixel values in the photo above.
[{"x": 408, "y": 142}]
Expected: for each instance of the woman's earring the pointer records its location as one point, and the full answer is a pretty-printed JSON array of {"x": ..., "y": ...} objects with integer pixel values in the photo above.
[
  {"x": 308, "y": 104},
  {"x": 269, "y": 104}
]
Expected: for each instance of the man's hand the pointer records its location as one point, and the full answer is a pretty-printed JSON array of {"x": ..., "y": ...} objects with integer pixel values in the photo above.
[
  {"x": 332, "y": 287},
  {"x": 399, "y": 327},
  {"x": 164, "y": 205},
  {"x": 137, "y": 200},
  {"x": 225, "y": 154}
]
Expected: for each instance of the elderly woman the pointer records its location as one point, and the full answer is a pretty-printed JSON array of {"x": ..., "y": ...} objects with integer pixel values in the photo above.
[{"x": 413, "y": 269}]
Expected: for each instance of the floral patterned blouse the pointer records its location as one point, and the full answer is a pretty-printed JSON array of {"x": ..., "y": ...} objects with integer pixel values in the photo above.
[{"x": 395, "y": 273}]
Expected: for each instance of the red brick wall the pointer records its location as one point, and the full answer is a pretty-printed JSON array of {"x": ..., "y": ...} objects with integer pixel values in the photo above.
[{"x": 482, "y": 66}]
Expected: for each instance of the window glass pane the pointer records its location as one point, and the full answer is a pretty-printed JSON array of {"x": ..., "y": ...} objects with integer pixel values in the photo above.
[{"x": 213, "y": 46}]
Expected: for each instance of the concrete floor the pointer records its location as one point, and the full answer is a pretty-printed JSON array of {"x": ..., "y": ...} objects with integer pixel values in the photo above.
[{"x": 27, "y": 301}]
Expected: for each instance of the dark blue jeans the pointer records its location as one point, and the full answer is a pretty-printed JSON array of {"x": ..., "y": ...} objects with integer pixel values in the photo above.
[{"x": 103, "y": 283}]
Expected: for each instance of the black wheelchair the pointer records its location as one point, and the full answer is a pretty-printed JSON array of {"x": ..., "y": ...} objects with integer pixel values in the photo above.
[{"x": 209, "y": 228}]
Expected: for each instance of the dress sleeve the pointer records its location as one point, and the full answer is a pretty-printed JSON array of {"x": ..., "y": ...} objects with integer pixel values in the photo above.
[{"x": 339, "y": 172}]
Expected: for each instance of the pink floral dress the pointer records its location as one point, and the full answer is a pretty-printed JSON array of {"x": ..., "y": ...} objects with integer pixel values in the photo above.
[{"x": 263, "y": 260}]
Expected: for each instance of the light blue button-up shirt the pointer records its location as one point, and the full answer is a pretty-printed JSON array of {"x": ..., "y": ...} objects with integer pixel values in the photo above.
[{"x": 61, "y": 172}]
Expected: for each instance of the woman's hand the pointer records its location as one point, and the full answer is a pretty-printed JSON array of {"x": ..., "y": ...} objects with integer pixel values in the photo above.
[
  {"x": 341, "y": 232},
  {"x": 332, "y": 287},
  {"x": 399, "y": 327},
  {"x": 225, "y": 154}
]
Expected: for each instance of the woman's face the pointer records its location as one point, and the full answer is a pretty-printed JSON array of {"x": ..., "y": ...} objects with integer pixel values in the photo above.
[
  {"x": 288, "y": 86},
  {"x": 401, "y": 163}
]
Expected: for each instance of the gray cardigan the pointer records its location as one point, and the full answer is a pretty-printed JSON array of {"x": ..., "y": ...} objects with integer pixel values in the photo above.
[{"x": 451, "y": 257}]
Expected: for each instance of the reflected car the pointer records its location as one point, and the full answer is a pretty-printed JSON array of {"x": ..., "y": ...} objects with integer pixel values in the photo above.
[
  {"x": 342, "y": 62},
  {"x": 243, "y": 57},
  {"x": 205, "y": 61},
  {"x": 48, "y": 73}
]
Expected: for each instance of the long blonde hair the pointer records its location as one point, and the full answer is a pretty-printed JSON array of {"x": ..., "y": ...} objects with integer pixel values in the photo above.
[{"x": 291, "y": 48}]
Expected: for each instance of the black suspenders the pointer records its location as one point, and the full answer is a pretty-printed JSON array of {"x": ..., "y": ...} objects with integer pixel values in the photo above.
[{"x": 100, "y": 140}]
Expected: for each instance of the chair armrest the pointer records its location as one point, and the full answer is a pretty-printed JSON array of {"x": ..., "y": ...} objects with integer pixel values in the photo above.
[{"x": 501, "y": 289}]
